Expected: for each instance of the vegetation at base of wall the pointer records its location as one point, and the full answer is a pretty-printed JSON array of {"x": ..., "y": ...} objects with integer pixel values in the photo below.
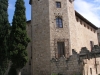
[
  {"x": 12, "y": 71},
  {"x": 4, "y": 35},
  {"x": 59, "y": 74},
  {"x": 54, "y": 74},
  {"x": 19, "y": 39}
]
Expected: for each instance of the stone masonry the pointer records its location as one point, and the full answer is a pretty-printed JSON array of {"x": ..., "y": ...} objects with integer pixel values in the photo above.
[
  {"x": 98, "y": 33},
  {"x": 77, "y": 34}
]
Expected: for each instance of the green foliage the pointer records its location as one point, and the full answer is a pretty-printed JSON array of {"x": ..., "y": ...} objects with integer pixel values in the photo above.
[
  {"x": 54, "y": 74},
  {"x": 4, "y": 35},
  {"x": 60, "y": 74},
  {"x": 12, "y": 71},
  {"x": 18, "y": 36}
]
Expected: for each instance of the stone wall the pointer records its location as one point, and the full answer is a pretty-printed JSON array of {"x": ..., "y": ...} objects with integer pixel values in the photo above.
[
  {"x": 45, "y": 35},
  {"x": 40, "y": 37},
  {"x": 78, "y": 63},
  {"x": 85, "y": 34},
  {"x": 70, "y": 66},
  {"x": 98, "y": 33},
  {"x": 66, "y": 33}
]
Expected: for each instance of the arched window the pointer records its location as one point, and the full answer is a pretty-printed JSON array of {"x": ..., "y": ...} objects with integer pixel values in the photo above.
[{"x": 59, "y": 22}]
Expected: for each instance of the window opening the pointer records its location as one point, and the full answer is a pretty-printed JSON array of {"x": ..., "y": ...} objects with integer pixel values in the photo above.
[
  {"x": 61, "y": 48},
  {"x": 59, "y": 22},
  {"x": 58, "y": 4}
]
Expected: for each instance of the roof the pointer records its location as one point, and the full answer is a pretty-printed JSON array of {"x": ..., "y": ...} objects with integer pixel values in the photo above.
[{"x": 85, "y": 20}]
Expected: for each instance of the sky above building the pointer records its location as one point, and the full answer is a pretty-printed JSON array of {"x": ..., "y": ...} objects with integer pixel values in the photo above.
[
  {"x": 90, "y": 9},
  {"x": 11, "y": 9}
]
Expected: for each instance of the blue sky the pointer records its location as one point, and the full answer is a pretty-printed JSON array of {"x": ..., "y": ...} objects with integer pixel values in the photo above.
[
  {"x": 11, "y": 9},
  {"x": 90, "y": 9}
]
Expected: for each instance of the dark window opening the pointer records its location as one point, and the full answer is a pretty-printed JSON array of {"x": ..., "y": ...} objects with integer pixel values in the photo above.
[
  {"x": 29, "y": 62},
  {"x": 61, "y": 49},
  {"x": 77, "y": 19},
  {"x": 91, "y": 29},
  {"x": 91, "y": 44},
  {"x": 91, "y": 71},
  {"x": 88, "y": 27},
  {"x": 59, "y": 22},
  {"x": 80, "y": 22},
  {"x": 84, "y": 25},
  {"x": 94, "y": 31},
  {"x": 98, "y": 34},
  {"x": 58, "y": 4},
  {"x": 31, "y": 52},
  {"x": 96, "y": 70}
]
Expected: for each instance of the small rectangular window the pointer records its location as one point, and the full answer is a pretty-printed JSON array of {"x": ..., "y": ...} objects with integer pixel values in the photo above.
[
  {"x": 91, "y": 71},
  {"x": 84, "y": 25},
  {"x": 58, "y": 4},
  {"x": 77, "y": 19},
  {"x": 91, "y": 44},
  {"x": 80, "y": 22},
  {"x": 61, "y": 49}
]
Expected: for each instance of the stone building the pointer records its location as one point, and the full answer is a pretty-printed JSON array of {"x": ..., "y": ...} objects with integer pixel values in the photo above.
[
  {"x": 63, "y": 42},
  {"x": 98, "y": 33}
]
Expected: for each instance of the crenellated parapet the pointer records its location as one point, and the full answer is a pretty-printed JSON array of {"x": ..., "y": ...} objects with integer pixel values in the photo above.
[
  {"x": 86, "y": 54},
  {"x": 77, "y": 62}
]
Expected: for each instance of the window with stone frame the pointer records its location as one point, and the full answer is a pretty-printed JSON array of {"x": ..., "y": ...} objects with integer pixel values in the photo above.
[
  {"x": 59, "y": 22},
  {"x": 58, "y": 4},
  {"x": 61, "y": 49},
  {"x": 64, "y": 48}
]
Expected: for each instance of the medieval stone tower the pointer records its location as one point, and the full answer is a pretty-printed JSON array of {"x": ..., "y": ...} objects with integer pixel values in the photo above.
[
  {"x": 47, "y": 33},
  {"x": 54, "y": 36}
]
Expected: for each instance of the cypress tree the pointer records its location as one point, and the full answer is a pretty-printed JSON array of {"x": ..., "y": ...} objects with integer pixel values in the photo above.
[
  {"x": 4, "y": 34},
  {"x": 19, "y": 38}
]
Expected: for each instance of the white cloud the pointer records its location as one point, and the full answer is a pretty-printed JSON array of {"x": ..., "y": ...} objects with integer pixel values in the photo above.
[
  {"x": 90, "y": 10},
  {"x": 96, "y": 0}
]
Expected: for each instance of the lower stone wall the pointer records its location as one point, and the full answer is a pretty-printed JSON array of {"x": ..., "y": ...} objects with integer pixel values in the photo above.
[
  {"x": 83, "y": 63},
  {"x": 70, "y": 66}
]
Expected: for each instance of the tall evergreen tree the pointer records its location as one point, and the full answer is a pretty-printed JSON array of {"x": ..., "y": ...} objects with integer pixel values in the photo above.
[
  {"x": 19, "y": 38},
  {"x": 4, "y": 34}
]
